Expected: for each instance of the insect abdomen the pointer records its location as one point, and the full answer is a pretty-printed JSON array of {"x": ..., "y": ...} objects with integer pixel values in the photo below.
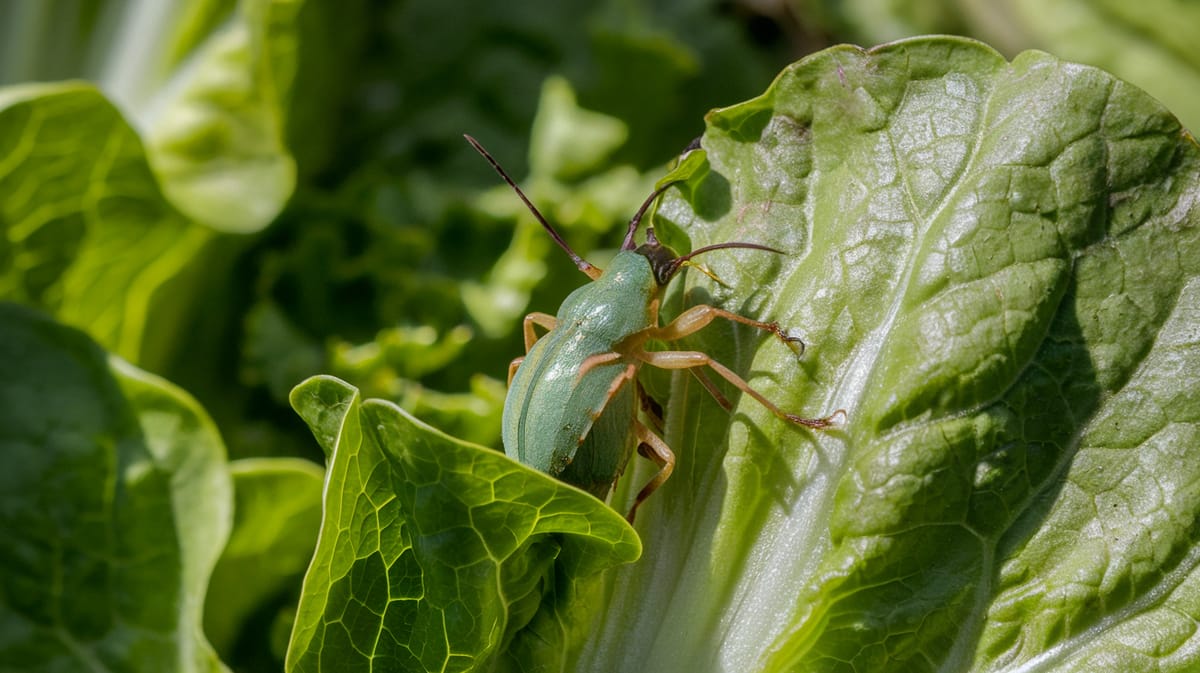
[{"x": 555, "y": 421}]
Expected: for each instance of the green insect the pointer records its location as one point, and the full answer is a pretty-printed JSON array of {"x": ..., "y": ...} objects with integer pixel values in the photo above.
[{"x": 573, "y": 399}]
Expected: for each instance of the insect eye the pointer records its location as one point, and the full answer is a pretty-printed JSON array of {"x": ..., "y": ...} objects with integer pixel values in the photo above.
[{"x": 663, "y": 261}]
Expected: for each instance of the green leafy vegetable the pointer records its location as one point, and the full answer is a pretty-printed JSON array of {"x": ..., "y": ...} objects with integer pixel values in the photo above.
[
  {"x": 88, "y": 195},
  {"x": 121, "y": 194},
  {"x": 995, "y": 267},
  {"x": 143, "y": 145},
  {"x": 440, "y": 555},
  {"x": 114, "y": 505}
]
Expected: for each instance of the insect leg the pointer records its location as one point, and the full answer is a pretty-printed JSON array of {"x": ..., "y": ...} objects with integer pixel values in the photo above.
[
  {"x": 543, "y": 320},
  {"x": 712, "y": 389},
  {"x": 690, "y": 359},
  {"x": 512, "y": 368},
  {"x": 698, "y": 317},
  {"x": 653, "y": 447},
  {"x": 593, "y": 361}
]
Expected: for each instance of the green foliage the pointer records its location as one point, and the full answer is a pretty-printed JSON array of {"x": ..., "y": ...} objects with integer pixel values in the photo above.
[
  {"x": 440, "y": 555},
  {"x": 82, "y": 191},
  {"x": 994, "y": 265},
  {"x": 208, "y": 91},
  {"x": 114, "y": 507},
  {"x": 998, "y": 292}
]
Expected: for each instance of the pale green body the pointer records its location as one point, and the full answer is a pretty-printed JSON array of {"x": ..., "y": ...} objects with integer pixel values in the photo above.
[{"x": 569, "y": 427}]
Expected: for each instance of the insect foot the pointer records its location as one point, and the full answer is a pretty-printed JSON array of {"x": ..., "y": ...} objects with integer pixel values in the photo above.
[
  {"x": 793, "y": 342},
  {"x": 817, "y": 423}
]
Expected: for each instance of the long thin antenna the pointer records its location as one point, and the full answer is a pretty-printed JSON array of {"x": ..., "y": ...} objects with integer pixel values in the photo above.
[
  {"x": 628, "y": 243},
  {"x": 679, "y": 261},
  {"x": 583, "y": 265}
]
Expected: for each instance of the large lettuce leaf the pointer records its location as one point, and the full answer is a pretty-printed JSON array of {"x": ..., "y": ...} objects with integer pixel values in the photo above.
[{"x": 996, "y": 267}]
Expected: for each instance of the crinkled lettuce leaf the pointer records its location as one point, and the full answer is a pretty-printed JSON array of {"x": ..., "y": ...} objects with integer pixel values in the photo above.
[
  {"x": 435, "y": 554},
  {"x": 996, "y": 269}
]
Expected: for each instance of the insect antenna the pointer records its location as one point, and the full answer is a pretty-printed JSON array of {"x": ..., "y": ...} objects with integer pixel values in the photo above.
[
  {"x": 683, "y": 259},
  {"x": 592, "y": 271},
  {"x": 628, "y": 243}
]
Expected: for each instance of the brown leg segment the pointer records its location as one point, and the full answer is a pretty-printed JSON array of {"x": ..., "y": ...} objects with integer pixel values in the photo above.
[
  {"x": 653, "y": 447},
  {"x": 543, "y": 320},
  {"x": 690, "y": 359},
  {"x": 630, "y": 374},
  {"x": 512, "y": 369},
  {"x": 697, "y": 317},
  {"x": 593, "y": 361}
]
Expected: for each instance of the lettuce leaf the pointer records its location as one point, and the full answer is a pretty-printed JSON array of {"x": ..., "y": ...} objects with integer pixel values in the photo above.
[
  {"x": 441, "y": 555},
  {"x": 128, "y": 196},
  {"x": 995, "y": 266},
  {"x": 276, "y": 515}
]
